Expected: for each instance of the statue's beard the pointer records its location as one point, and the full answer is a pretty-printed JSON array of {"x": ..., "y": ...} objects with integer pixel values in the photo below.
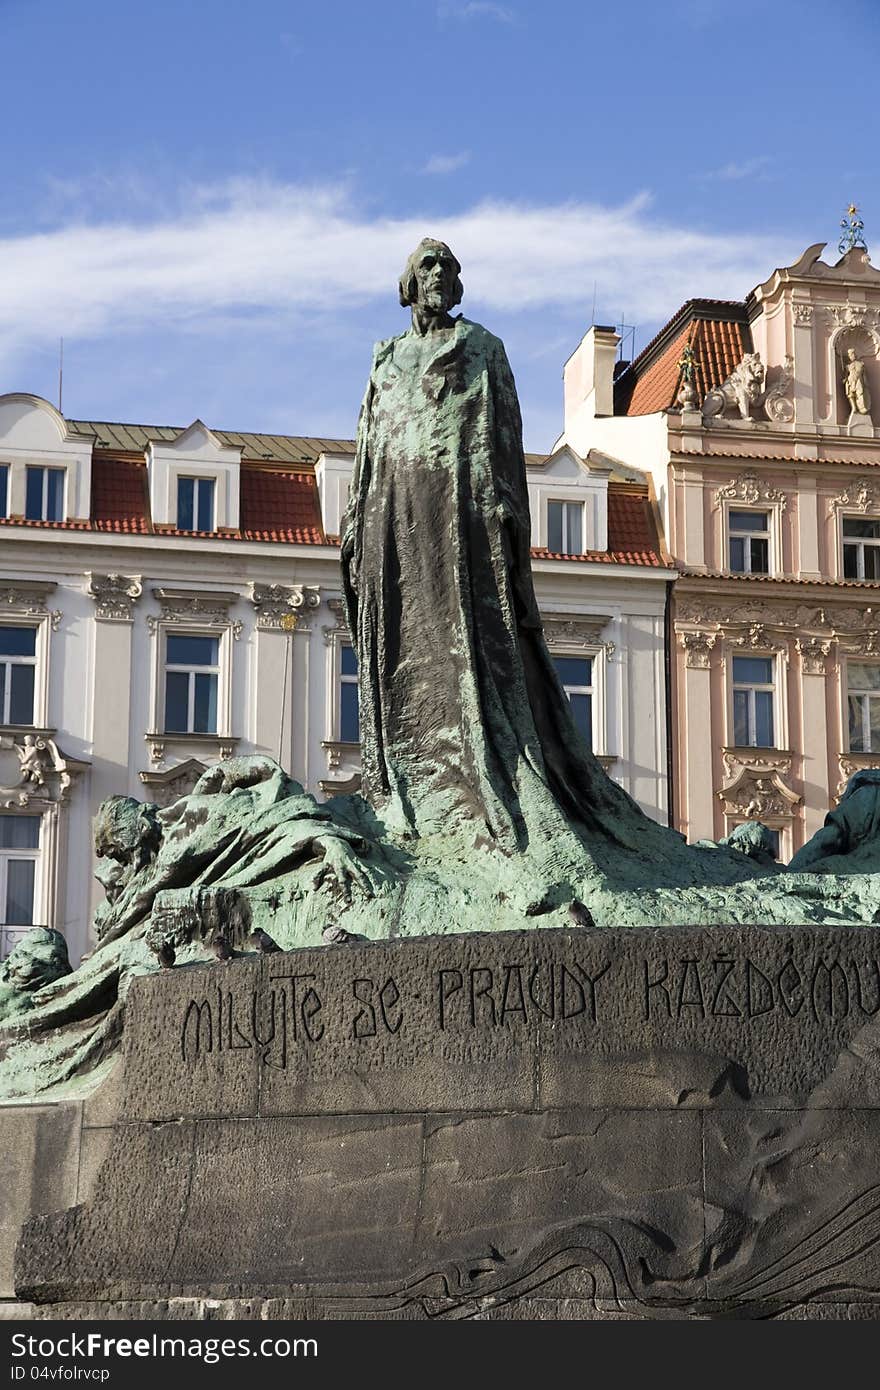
[{"x": 437, "y": 300}]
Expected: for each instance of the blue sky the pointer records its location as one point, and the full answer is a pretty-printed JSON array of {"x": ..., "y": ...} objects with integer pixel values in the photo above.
[{"x": 212, "y": 202}]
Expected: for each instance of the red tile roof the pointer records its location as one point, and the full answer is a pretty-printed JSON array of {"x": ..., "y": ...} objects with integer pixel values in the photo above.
[
  {"x": 719, "y": 335},
  {"x": 119, "y": 495},
  {"x": 632, "y": 533},
  {"x": 279, "y": 506}
]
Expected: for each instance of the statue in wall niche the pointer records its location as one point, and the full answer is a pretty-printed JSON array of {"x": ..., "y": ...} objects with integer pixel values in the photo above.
[
  {"x": 742, "y": 391},
  {"x": 855, "y": 383}
]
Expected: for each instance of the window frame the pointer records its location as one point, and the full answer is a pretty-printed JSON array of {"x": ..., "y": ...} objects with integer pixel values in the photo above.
[
  {"x": 169, "y": 624},
  {"x": 46, "y": 469},
  {"x": 191, "y": 671},
  {"x": 858, "y": 542},
  {"x": 774, "y": 686},
  {"x": 565, "y": 503},
  {"x": 855, "y": 659},
  {"x": 33, "y": 856},
  {"x": 768, "y": 507},
  {"x": 198, "y": 480},
  {"x": 765, "y": 534},
  {"x": 40, "y": 623},
  {"x": 9, "y": 662},
  {"x": 346, "y": 679},
  {"x": 592, "y": 689},
  {"x": 5, "y": 489}
]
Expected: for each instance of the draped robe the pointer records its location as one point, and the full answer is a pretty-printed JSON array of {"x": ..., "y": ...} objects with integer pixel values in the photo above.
[{"x": 462, "y": 716}]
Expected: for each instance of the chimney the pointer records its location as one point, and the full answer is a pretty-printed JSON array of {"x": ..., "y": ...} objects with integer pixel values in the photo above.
[{"x": 588, "y": 383}]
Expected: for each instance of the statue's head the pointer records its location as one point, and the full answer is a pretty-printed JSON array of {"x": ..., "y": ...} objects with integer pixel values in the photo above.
[
  {"x": 39, "y": 958},
  {"x": 851, "y": 354},
  {"x": 431, "y": 277},
  {"x": 126, "y": 830}
]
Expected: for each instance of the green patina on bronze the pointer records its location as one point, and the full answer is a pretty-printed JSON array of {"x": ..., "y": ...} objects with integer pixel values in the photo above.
[{"x": 482, "y": 809}]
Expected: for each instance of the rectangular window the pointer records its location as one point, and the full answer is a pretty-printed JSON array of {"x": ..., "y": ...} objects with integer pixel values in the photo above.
[
  {"x": 861, "y": 547},
  {"x": 19, "y": 852},
  {"x": 349, "y": 712},
  {"x": 565, "y": 528},
  {"x": 44, "y": 496},
  {"x": 4, "y": 489},
  {"x": 753, "y": 690},
  {"x": 749, "y": 542},
  {"x": 863, "y": 698},
  {"x": 18, "y": 669},
  {"x": 195, "y": 504},
  {"x": 192, "y": 669},
  {"x": 576, "y": 677}
]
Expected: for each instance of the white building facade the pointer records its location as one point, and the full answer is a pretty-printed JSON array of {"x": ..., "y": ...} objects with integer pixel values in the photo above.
[{"x": 172, "y": 597}]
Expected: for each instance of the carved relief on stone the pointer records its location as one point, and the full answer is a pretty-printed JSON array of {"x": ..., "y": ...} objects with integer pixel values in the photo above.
[
  {"x": 339, "y": 630},
  {"x": 37, "y": 769},
  {"x": 156, "y": 744},
  {"x": 859, "y": 496},
  {"x": 850, "y": 763},
  {"x": 281, "y": 606},
  {"x": 777, "y": 404},
  {"x": 115, "y": 595},
  {"x": 195, "y": 606},
  {"x": 851, "y": 315},
  {"x": 742, "y": 391},
  {"x": 803, "y": 314},
  {"x": 756, "y": 789},
  {"x": 750, "y": 489},
  {"x": 577, "y": 632},
  {"x": 757, "y": 637},
  {"x": 813, "y": 651},
  {"x": 163, "y": 788},
  {"x": 27, "y": 599},
  {"x": 697, "y": 648}
]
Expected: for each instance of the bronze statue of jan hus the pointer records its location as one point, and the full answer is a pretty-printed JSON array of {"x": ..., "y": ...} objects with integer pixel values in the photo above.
[{"x": 463, "y": 719}]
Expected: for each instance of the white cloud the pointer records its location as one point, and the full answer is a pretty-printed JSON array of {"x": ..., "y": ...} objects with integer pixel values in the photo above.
[
  {"x": 477, "y": 9},
  {"x": 744, "y": 170},
  {"x": 271, "y": 251},
  {"x": 446, "y": 163}
]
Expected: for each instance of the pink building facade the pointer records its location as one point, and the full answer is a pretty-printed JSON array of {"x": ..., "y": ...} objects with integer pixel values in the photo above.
[{"x": 756, "y": 422}]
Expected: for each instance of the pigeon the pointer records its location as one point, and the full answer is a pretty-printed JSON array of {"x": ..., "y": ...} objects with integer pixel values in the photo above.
[
  {"x": 580, "y": 915},
  {"x": 262, "y": 941},
  {"x": 220, "y": 947},
  {"x": 338, "y": 936},
  {"x": 165, "y": 954}
]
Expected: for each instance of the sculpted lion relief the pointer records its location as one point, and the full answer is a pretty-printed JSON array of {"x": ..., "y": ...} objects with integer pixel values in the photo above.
[{"x": 742, "y": 390}]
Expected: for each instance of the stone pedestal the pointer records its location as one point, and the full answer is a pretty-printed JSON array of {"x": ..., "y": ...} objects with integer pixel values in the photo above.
[
  {"x": 541, "y": 1124},
  {"x": 860, "y": 425}
]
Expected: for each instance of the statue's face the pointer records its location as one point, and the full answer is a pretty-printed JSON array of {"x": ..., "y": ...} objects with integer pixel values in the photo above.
[{"x": 435, "y": 273}]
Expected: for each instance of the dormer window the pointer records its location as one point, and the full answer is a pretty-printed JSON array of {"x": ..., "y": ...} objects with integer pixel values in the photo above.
[
  {"x": 44, "y": 497},
  {"x": 195, "y": 504},
  {"x": 565, "y": 528}
]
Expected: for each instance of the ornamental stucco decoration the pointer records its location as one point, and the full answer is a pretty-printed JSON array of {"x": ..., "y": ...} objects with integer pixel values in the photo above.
[
  {"x": 27, "y": 599},
  {"x": 803, "y": 314},
  {"x": 44, "y": 774},
  {"x": 697, "y": 648},
  {"x": 860, "y": 496},
  {"x": 758, "y": 638},
  {"x": 756, "y": 789},
  {"x": 163, "y": 788},
  {"x": 339, "y": 631},
  {"x": 280, "y": 606},
  {"x": 778, "y": 406},
  {"x": 750, "y": 489},
  {"x": 813, "y": 651},
  {"x": 191, "y": 606},
  {"x": 582, "y": 632},
  {"x": 115, "y": 595},
  {"x": 850, "y": 763}
]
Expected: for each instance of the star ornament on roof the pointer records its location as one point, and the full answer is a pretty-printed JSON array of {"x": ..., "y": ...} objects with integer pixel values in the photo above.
[{"x": 852, "y": 231}]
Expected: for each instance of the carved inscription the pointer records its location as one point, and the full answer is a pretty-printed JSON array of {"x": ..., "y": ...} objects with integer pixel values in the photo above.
[{"x": 470, "y": 1006}]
